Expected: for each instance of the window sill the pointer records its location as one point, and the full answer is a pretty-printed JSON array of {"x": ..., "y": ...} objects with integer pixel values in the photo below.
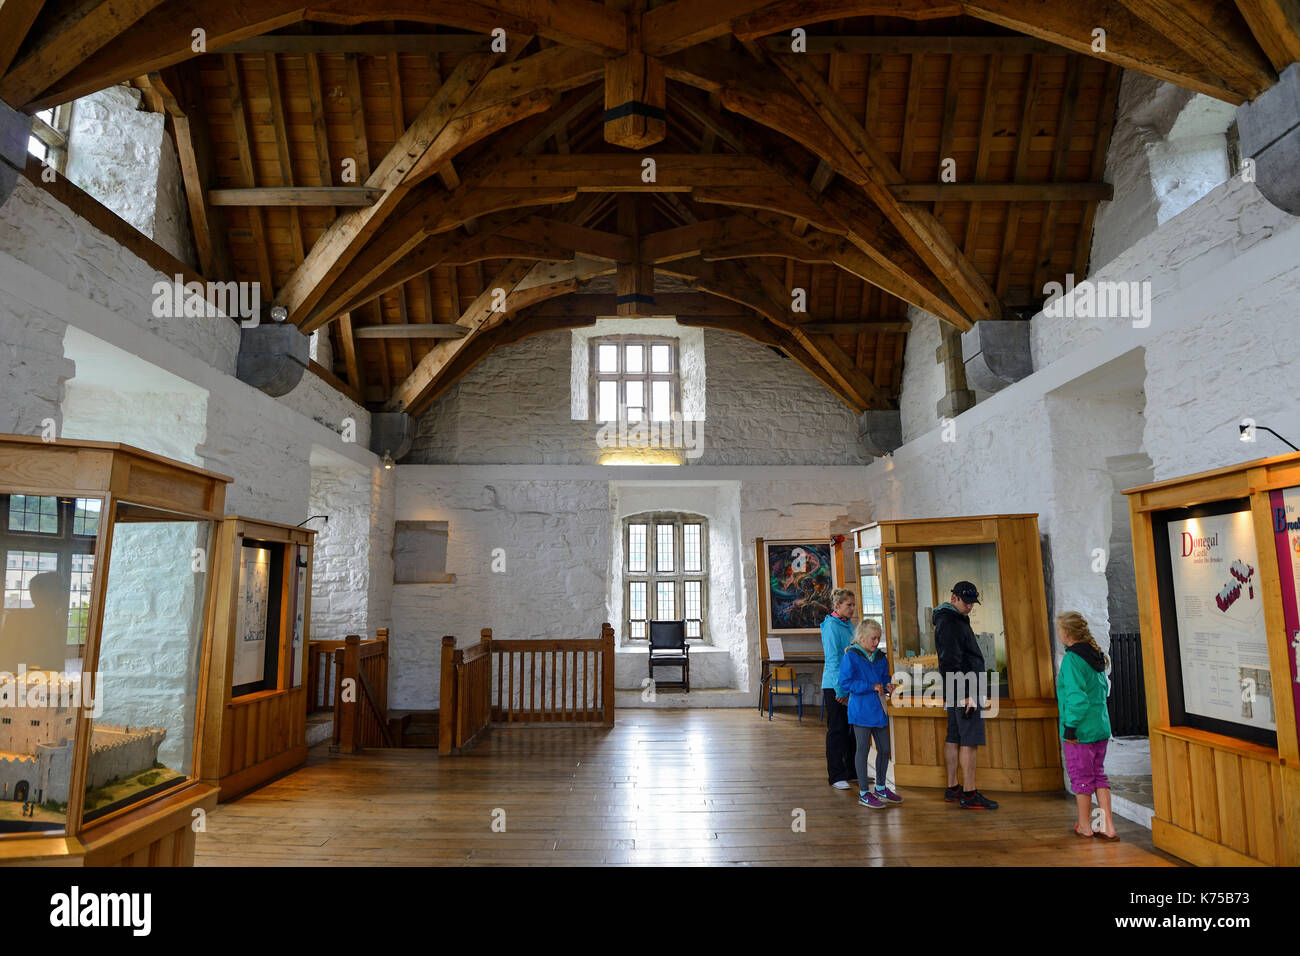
[{"x": 436, "y": 579}]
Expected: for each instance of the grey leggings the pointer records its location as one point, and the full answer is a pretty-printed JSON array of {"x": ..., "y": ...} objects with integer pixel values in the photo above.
[{"x": 865, "y": 736}]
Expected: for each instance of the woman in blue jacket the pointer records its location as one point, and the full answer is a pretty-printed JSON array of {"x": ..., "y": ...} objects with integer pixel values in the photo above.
[
  {"x": 837, "y": 634},
  {"x": 864, "y": 676}
]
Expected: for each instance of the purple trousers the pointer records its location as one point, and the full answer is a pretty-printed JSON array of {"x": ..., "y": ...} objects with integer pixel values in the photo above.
[{"x": 1085, "y": 764}]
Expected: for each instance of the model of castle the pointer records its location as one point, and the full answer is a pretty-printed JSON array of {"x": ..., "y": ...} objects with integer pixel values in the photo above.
[
  {"x": 1242, "y": 573},
  {"x": 36, "y": 743}
]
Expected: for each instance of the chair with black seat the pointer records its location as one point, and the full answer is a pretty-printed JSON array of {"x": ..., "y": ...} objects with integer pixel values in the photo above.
[{"x": 668, "y": 648}]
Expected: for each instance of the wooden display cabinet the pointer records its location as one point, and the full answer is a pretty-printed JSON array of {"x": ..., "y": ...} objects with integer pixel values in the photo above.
[
  {"x": 916, "y": 564},
  {"x": 1217, "y": 558},
  {"x": 257, "y": 693},
  {"x": 108, "y": 609}
]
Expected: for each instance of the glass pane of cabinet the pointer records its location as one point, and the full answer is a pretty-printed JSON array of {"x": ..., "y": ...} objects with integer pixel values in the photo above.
[{"x": 154, "y": 609}]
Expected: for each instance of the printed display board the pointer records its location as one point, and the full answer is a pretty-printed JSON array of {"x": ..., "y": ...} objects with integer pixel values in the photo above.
[
  {"x": 251, "y": 613},
  {"x": 1284, "y": 510},
  {"x": 1219, "y": 608}
]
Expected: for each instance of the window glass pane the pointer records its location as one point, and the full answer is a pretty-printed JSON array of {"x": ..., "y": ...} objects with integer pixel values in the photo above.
[
  {"x": 85, "y": 518},
  {"x": 39, "y": 513},
  {"x": 660, "y": 403},
  {"x": 608, "y": 358},
  {"x": 636, "y": 609},
  {"x": 660, "y": 358},
  {"x": 635, "y": 401},
  {"x": 635, "y": 358},
  {"x": 20, "y": 568},
  {"x": 664, "y": 558},
  {"x": 692, "y": 598},
  {"x": 667, "y": 608},
  {"x": 607, "y": 402},
  {"x": 691, "y": 547},
  {"x": 636, "y": 550},
  {"x": 154, "y": 609},
  {"x": 83, "y": 572}
]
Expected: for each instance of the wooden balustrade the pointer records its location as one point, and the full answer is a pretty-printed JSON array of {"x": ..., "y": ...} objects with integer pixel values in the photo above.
[
  {"x": 500, "y": 683},
  {"x": 361, "y": 708},
  {"x": 321, "y": 675}
]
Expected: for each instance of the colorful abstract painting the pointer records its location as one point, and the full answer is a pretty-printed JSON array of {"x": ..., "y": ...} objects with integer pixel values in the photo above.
[{"x": 799, "y": 585}]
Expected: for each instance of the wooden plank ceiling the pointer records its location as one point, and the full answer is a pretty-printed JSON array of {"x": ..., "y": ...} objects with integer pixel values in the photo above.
[{"x": 379, "y": 166}]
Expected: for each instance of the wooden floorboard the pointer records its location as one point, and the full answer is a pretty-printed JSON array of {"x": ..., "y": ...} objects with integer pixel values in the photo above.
[{"x": 661, "y": 787}]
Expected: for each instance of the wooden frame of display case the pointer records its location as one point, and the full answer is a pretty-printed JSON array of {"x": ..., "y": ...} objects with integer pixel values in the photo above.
[
  {"x": 249, "y": 739},
  {"x": 156, "y": 831},
  {"x": 1022, "y": 751},
  {"x": 1220, "y": 800}
]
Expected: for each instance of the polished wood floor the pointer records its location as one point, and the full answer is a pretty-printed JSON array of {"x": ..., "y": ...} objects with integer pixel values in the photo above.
[{"x": 661, "y": 787}]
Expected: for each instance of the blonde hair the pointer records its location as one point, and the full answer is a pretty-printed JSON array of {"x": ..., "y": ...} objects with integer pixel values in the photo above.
[
  {"x": 1075, "y": 627},
  {"x": 839, "y": 594},
  {"x": 865, "y": 628}
]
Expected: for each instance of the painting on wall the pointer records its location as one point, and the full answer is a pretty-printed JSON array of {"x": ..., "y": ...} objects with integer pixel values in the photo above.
[{"x": 800, "y": 581}]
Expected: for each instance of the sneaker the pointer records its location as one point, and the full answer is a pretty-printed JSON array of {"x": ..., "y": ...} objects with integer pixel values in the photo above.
[
  {"x": 977, "y": 801},
  {"x": 841, "y": 785},
  {"x": 888, "y": 796},
  {"x": 952, "y": 794},
  {"x": 870, "y": 800}
]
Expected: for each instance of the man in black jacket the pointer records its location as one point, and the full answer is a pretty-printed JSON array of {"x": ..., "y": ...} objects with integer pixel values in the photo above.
[{"x": 961, "y": 663}]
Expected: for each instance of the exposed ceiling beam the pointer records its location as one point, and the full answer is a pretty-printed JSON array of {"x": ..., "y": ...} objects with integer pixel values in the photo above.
[
  {"x": 1129, "y": 41},
  {"x": 412, "y": 330},
  {"x": 297, "y": 196},
  {"x": 1214, "y": 33},
  {"x": 69, "y": 40},
  {"x": 16, "y": 18},
  {"x": 1276, "y": 25},
  {"x": 882, "y": 45},
  {"x": 371, "y": 43},
  {"x": 1003, "y": 192}
]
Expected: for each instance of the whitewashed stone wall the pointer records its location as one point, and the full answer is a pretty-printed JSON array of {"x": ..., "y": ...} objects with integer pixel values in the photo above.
[
  {"x": 166, "y": 385},
  {"x": 558, "y": 528},
  {"x": 31, "y": 346},
  {"x": 123, "y": 157},
  {"x": 514, "y": 408},
  {"x": 352, "y": 553}
]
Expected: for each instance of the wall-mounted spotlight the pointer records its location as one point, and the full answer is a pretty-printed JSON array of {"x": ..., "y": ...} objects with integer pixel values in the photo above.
[
  {"x": 388, "y": 462},
  {"x": 1247, "y": 434}
]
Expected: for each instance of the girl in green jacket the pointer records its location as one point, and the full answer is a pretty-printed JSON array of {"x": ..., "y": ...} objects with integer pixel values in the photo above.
[{"x": 1081, "y": 692}]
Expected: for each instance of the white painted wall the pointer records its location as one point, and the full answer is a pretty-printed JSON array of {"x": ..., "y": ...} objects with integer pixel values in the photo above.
[{"x": 515, "y": 408}]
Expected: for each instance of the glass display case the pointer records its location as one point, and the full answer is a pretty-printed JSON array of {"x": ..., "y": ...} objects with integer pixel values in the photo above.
[
  {"x": 256, "y": 699},
  {"x": 907, "y": 569},
  {"x": 102, "y": 640}
]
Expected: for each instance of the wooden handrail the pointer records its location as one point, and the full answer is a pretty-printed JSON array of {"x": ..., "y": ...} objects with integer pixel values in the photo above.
[
  {"x": 361, "y": 710},
  {"x": 479, "y": 689}
]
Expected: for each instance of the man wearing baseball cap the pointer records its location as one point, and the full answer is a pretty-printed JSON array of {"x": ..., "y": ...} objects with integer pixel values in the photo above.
[{"x": 960, "y": 663}]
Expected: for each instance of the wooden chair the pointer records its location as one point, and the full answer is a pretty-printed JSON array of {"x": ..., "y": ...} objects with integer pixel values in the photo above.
[
  {"x": 668, "y": 648},
  {"x": 783, "y": 681}
]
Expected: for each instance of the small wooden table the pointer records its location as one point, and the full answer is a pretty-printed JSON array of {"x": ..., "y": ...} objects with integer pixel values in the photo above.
[{"x": 791, "y": 659}]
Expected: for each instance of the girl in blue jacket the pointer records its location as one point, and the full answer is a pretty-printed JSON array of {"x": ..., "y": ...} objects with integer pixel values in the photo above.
[{"x": 864, "y": 676}]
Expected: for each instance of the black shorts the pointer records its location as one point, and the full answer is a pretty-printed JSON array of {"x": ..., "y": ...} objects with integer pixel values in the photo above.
[{"x": 963, "y": 730}]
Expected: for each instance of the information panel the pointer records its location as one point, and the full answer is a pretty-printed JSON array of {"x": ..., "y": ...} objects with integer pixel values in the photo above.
[
  {"x": 1285, "y": 512},
  {"x": 1219, "y": 607}
]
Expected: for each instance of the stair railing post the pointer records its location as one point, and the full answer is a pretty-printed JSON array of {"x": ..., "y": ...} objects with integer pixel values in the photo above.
[
  {"x": 350, "y": 710},
  {"x": 447, "y": 697},
  {"x": 607, "y": 672}
]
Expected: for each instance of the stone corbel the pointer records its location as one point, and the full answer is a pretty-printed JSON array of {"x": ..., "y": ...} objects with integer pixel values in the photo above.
[
  {"x": 273, "y": 357},
  {"x": 880, "y": 432},
  {"x": 996, "y": 353},
  {"x": 1269, "y": 131}
]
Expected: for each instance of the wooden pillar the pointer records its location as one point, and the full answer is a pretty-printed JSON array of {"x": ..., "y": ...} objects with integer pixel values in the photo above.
[
  {"x": 349, "y": 711},
  {"x": 635, "y": 94},
  {"x": 607, "y": 672},
  {"x": 635, "y": 280},
  {"x": 447, "y": 696}
]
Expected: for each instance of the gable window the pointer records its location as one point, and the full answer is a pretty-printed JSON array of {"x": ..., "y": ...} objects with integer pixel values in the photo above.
[
  {"x": 49, "y": 137},
  {"x": 635, "y": 378},
  {"x": 665, "y": 576}
]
